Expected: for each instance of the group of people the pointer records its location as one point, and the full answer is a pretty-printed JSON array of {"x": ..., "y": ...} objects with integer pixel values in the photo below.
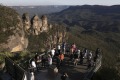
[
  {"x": 58, "y": 54},
  {"x": 85, "y": 55}
]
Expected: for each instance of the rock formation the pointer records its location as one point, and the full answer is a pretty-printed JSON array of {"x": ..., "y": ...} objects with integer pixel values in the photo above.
[
  {"x": 17, "y": 41},
  {"x": 56, "y": 36},
  {"x": 26, "y": 23},
  {"x": 36, "y": 25},
  {"x": 44, "y": 23},
  {"x": 18, "y": 34},
  {"x": 52, "y": 33}
]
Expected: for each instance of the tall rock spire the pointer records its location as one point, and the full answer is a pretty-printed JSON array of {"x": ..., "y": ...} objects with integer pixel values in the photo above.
[
  {"x": 26, "y": 22},
  {"x": 36, "y": 25},
  {"x": 44, "y": 23}
]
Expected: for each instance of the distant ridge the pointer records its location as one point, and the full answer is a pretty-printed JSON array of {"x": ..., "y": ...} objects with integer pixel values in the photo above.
[
  {"x": 100, "y": 18},
  {"x": 40, "y": 10}
]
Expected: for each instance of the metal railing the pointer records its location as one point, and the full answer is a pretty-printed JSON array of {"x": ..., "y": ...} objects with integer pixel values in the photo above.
[
  {"x": 15, "y": 71},
  {"x": 93, "y": 70}
]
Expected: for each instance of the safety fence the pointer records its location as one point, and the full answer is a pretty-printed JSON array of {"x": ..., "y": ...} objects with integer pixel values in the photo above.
[
  {"x": 93, "y": 70},
  {"x": 15, "y": 71}
]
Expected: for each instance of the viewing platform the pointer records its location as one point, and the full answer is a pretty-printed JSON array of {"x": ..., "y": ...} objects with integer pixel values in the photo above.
[{"x": 79, "y": 72}]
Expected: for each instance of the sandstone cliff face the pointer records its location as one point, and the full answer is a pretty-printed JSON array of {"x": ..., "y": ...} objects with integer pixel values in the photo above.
[
  {"x": 17, "y": 41},
  {"x": 12, "y": 35}
]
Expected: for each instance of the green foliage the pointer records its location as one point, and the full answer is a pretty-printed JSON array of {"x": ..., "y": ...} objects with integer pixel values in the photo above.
[
  {"x": 107, "y": 73},
  {"x": 8, "y": 22},
  {"x": 22, "y": 58},
  {"x": 4, "y": 54},
  {"x": 36, "y": 42}
]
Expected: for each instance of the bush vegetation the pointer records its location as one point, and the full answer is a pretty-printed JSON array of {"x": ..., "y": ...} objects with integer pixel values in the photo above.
[{"x": 8, "y": 22}]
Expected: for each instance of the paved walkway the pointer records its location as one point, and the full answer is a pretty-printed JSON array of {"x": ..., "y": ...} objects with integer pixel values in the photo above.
[
  {"x": 75, "y": 72},
  {"x": 43, "y": 75}
]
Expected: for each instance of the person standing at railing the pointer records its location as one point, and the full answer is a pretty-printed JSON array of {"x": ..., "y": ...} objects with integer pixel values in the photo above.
[
  {"x": 63, "y": 47},
  {"x": 78, "y": 52},
  {"x": 32, "y": 77},
  {"x": 33, "y": 65},
  {"x": 76, "y": 58},
  {"x": 44, "y": 59},
  {"x": 81, "y": 57},
  {"x": 49, "y": 60},
  {"x": 59, "y": 48},
  {"x": 61, "y": 57},
  {"x": 37, "y": 61},
  {"x": 89, "y": 56},
  {"x": 90, "y": 61},
  {"x": 73, "y": 50},
  {"x": 85, "y": 53},
  {"x": 97, "y": 54},
  {"x": 53, "y": 52},
  {"x": 58, "y": 62},
  {"x": 68, "y": 49}
]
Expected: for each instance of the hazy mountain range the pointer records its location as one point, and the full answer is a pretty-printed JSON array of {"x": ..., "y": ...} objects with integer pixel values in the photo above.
[
  {"x": 100, "y": 18},
  {"x": 39, "y": 10}
]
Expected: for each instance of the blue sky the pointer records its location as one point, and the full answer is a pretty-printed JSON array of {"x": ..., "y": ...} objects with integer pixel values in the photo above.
[{"x": 59, "y": 2}]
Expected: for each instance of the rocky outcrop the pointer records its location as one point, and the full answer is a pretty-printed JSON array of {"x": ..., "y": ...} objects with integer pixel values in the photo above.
[
  {"x": 17, "y": 41},
  {"x": 45, "y": 35},
  {"x": 44, "y": 23},
  {"x": 57, "y": 35},
  {"x": 37, "y": 25},
  {"x": 26, "y": 23},
  {"x": 12, "y": 35}
]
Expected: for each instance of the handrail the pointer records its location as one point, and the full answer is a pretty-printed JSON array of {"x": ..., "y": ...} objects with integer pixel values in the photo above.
[
  {"x": 94, "y": 69},
  {"x": 15, "y": 67}
]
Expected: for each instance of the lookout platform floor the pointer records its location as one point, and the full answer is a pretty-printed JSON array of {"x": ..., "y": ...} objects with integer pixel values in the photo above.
[{"x": 74, "y": 72}]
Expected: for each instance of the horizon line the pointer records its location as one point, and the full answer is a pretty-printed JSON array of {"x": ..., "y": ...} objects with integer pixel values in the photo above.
[{"x": 66, "y": 5}]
